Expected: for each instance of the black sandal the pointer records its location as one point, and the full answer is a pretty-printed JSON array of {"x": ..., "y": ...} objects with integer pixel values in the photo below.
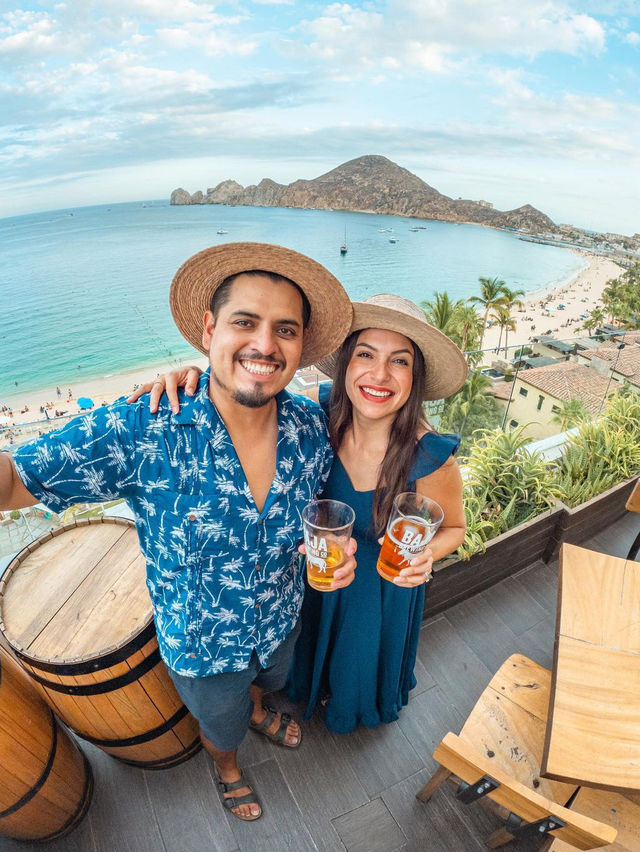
[
  {"x": 280, "y": 734},
  {"x": 230, "y": 802}
]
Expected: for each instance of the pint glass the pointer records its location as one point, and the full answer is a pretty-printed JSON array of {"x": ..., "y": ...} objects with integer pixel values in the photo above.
[
  {"x": 412, "y": 524},
  {"x": 327, "y": 529}
]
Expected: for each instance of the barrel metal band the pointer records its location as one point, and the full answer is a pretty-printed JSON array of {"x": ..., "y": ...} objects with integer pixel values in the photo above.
[
  {"x": 45, "y": 773},
  {"x": 139, "y": 738},
  {"x": 167, "y": 762},
  {"x": 105, "y": 685},
  {"x": 82, "y": 809},
  {"x": 120, "y": 655}
]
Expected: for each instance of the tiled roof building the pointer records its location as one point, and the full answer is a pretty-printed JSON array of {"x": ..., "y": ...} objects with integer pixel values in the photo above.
[
  {"x": 568, "y": 380},
  {"x": 625, "y": 362}
]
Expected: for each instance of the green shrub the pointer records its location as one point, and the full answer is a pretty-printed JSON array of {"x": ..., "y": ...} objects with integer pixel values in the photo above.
[
  {"x": 506, "y": 486},
  {"x": 603, "y": 453}
]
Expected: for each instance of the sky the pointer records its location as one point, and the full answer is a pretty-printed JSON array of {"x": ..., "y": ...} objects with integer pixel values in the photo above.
[{"x": 529, "y": 102}]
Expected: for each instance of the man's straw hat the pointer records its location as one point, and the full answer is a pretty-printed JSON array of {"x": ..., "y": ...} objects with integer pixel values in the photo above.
[
  {"x": 446, "y": 368},
  {"x": 200, "y": 276}
]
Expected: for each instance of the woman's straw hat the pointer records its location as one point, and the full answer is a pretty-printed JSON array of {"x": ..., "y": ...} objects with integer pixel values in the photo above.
[
  {"x": 200, "y": 276},
  {"x": 446, "y": 368}
]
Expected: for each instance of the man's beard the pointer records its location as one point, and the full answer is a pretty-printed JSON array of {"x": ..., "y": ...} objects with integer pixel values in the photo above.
[
  {"x": 252, "y": 399},
  {"x": 255, "y": 398}
]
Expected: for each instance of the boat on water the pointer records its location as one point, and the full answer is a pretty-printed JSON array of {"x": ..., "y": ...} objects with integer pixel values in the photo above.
[
  {"x": 221, "y": 231},
  {"x": 344, "y": 248},
  {"x": 393, "y": 239},
  {"x": 384, "y": 230},
  {"x": 415, "y": 229}
]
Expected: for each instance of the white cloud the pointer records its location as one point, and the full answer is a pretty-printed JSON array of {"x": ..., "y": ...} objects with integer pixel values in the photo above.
[
  {"x": 31, "y": 34},
  {"x": 632, "y": 38},
  {"x": 157, "y": 10},
  {"x": 209, "y": 36},
  {"x": 433, "y": 35}
]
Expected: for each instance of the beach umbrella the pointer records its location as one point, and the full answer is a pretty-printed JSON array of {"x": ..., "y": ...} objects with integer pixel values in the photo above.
[
  {"x": 5, "y": 421},
  {"x": 85, "y": 402}
]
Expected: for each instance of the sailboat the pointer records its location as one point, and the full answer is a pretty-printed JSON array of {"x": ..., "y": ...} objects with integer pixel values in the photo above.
[{"x": 344, "y": 248}]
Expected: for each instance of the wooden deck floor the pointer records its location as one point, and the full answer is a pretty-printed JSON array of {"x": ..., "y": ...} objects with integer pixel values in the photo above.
[{"x": 354, "y": 792}]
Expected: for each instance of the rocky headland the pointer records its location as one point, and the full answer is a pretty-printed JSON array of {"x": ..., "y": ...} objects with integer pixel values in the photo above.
[{"x": 374, "y": 184}]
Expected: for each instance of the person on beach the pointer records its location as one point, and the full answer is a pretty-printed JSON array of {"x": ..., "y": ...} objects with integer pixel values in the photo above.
[
  {"x": 218, "y": 489},
  {"x": 357, "y": 649}
]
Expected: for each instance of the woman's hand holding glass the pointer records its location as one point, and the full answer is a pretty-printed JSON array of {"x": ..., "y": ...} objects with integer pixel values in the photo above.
[
  {"x": 405, "y": 557},
  {"x": 419, "y": 570}
]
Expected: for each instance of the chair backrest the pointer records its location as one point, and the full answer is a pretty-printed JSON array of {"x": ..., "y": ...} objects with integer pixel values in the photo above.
[{"x": 470, "y": 765}]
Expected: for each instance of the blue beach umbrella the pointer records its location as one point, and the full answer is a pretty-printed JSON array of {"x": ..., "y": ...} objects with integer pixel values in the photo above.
[{"x": 85, "y": 402}]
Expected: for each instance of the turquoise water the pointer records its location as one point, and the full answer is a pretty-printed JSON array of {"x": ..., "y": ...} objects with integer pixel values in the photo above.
[{"x": 84, "y": 291}]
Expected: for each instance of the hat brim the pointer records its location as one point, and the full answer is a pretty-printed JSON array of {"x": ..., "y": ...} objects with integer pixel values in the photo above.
[
  {"x": 200, "y": 276},
  {"x": 446, "y": 367}
]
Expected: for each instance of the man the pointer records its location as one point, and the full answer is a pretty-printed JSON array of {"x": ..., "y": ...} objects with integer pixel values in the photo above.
[{"x": 217, "y": 489}]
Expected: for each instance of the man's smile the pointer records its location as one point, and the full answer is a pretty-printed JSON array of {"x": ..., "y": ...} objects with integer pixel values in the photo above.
[{"x": 258, "y": 368}]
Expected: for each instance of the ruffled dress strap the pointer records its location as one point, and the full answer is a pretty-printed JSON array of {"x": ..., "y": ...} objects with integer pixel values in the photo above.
[{"x": 432, "y": 451}]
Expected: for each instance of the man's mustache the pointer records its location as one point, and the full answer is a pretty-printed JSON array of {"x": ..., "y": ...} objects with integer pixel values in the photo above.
[{"x": 254, "y": 355}]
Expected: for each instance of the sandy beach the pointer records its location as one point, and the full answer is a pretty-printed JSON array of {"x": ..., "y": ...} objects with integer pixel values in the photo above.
[
  {"x": 100, "y": 391},
  {"x": 542, "y": 313}
]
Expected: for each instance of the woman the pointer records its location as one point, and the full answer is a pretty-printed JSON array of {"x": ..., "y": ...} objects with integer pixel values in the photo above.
[{"x": 357, "y": 649}]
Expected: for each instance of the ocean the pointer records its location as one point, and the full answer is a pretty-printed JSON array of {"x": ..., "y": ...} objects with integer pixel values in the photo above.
[{"x": 84, "y": 291}]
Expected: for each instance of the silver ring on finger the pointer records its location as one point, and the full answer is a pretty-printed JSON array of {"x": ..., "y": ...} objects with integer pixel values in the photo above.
[{"x": 427, "y": 576}]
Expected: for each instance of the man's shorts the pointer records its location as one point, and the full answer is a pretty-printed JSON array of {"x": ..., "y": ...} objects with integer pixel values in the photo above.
[{"x": 221, "y": 702}]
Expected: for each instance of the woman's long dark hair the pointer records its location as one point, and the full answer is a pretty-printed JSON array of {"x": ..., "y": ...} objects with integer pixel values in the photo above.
[{"x": 393, "y": 477}]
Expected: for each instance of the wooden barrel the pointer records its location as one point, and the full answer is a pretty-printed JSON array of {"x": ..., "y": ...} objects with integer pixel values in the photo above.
[
  {"x": 75, "y": 610},
  {"x": 45, "y": 780}
]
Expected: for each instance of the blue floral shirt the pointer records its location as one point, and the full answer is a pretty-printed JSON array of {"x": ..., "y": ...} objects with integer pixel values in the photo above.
[{"x": 223, "y": 577}]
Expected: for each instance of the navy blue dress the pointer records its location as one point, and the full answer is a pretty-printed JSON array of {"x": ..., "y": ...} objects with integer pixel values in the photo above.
[{"x": 343, "y": 650}]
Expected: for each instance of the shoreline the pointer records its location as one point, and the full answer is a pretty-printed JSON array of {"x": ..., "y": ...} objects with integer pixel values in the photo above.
[
  {"x": 542, "y": 312},
  {"x": 580, "y": 294},
  {"x": 102, "y": 390}
]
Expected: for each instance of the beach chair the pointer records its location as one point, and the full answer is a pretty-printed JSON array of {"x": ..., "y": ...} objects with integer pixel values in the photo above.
[{"x": 496, "y": 759}]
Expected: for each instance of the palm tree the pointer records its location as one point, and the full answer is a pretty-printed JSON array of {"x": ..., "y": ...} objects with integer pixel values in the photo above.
[
  {"x": 502, "y": 315},
  {"x": 512, "y": 298},
  {"x": 440, "y": 310},
  {"x": 465, "y": 327},
  {"x": 570, "y": 413},
  {"x": 471, "y": 401},
  {"x": 491, "y": 295},
  {"x": 596, "y": 319},
  {"x": 456, "y": 319}
]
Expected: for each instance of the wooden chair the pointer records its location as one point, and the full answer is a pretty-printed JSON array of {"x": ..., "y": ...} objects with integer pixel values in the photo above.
[
  {"x": 496, "y": 758},
  {"x": 620, "y": 811},
  {"x": 633, "y": 505}
]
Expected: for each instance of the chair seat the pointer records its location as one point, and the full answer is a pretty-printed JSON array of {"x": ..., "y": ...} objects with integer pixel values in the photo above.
[{"x": 508, "y": 725}]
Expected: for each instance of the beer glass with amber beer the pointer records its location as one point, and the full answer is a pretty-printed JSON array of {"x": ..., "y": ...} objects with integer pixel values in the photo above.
[
  {"x": 327, "y": 528},
  {"x": 413, "y": 522}
]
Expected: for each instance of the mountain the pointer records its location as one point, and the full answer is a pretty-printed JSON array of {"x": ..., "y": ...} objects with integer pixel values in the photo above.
[{"x": 370, "y": 184}]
